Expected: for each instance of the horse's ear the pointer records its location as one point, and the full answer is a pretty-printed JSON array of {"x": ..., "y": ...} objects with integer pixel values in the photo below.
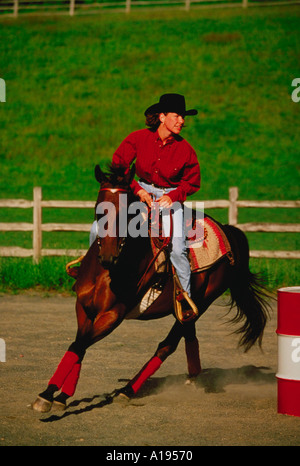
[
  {"x": 99, "y": 175},
  {"x": 130, "y": 174}
]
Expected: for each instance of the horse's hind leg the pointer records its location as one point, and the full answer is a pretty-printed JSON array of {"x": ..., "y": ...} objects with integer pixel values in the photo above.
[
  {"x": 192, "y": 350},
  {"x": 164, "y": 350}
]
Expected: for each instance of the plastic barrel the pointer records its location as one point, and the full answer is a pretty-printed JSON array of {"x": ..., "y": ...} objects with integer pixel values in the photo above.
[{"x": 288, "y": 335}]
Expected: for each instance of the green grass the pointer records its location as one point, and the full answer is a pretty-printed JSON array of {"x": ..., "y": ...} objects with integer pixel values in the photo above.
[
  {"x": 77, "y": 86},
  {"x": 19, "y": 275},
  {"x": 49, "y": 275}
]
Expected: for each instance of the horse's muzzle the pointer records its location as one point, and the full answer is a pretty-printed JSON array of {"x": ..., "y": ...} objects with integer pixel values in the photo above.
[
  {"x": 109, "y": 260},
  {"x": 108, "y": 263}
]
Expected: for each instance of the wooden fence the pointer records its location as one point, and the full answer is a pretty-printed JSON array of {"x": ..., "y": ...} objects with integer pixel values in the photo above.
[
  {"x": 37, "y": 227},
  {"x": 71, "y": 7}
]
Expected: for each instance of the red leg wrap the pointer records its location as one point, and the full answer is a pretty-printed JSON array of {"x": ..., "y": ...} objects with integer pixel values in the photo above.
[
  {"x": 70, "y": 383},
  {"x": 193, "y": 358},
  {"x": 64, "y": 368},
  {"x": 152, "y": 366}
]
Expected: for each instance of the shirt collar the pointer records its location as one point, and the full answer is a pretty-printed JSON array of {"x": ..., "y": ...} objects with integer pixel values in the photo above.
[{"x": 170, "y": 140}]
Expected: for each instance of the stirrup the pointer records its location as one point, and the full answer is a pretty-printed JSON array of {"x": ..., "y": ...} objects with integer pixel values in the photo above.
[{"x": 184, "y": 307}]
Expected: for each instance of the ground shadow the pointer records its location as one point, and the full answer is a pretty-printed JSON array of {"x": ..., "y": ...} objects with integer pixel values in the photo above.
[
  {"x": 213, "y": 380},
  {"x": 106, "y": 399}
]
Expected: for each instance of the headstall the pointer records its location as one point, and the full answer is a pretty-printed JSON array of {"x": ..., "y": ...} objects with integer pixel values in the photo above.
[{"x": 114, "y": 190}]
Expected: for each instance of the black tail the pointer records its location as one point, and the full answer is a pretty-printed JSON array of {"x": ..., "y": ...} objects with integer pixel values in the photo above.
[{"x": 248, "y": 293}]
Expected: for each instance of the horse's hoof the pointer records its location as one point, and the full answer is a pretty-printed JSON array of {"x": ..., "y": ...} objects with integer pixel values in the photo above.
[
  {"x": 121, "y": 398},
  {"x": 191, "y": 382},
  {"x": 42, "y": 405},
  {"x": 58, "y": 406}
]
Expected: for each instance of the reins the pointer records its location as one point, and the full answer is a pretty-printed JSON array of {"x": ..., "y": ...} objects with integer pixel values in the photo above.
[
  {"x": 164, "y": 245},
  {"x": 166, "y": 239}
]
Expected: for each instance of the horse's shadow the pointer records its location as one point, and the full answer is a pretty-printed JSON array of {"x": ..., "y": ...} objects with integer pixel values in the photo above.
[{"x": 213, "y": 380}]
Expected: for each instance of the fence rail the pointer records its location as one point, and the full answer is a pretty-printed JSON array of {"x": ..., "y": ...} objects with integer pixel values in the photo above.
[
  {"x": 72, "y": 7},
  {"x": 37, "y": 227}
]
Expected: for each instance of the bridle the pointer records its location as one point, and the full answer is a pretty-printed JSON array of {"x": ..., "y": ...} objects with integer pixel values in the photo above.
[
  {"x": 164, "y": 245},
  {"x": 122, "y": 242}
]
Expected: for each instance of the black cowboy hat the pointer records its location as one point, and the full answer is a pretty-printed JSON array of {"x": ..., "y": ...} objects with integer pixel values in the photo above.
[{"x": 174, "y": 103}]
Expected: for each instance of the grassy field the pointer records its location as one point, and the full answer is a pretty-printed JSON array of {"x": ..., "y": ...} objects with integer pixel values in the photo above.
[{"x": 77, "y": 86}]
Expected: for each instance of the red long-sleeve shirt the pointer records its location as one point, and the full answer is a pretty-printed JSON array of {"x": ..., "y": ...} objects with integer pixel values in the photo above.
[{"x": 173, "y": 165}]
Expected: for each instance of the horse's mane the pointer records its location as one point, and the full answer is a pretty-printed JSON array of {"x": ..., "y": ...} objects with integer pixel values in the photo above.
[{"x": 116, "y": 175}]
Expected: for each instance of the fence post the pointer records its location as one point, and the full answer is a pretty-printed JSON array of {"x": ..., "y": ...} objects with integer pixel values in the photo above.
[
  {"x": 16, "y": 8},
  {"x": 37, "y": 223},
  {"x": 128, "y": 6},
  {"x": 233, "y": 211},
  {"x": 244, "y": 3},
  {"x": 187, "y": 5},
  {"x": 72, "y": 7}
]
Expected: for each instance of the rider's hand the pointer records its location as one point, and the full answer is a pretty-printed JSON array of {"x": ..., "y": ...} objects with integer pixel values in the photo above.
[
  {"x": 145, "y": 197},
  {"x": 164, "y": 201}
]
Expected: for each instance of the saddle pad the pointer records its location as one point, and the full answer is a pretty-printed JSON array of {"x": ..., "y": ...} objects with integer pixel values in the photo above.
[{"x": 209, "y": 247}]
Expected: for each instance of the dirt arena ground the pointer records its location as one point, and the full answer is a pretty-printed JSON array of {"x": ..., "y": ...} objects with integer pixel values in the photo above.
[{"x": 233, "y": 404}]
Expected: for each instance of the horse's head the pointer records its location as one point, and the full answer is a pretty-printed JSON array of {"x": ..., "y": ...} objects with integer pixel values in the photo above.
[{"x": 111, "y": 212}]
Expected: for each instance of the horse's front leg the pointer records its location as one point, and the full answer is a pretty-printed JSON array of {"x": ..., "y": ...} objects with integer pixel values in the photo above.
[
  {"x": 66, "y": 376},
  {"x": 103, "y": 324}
]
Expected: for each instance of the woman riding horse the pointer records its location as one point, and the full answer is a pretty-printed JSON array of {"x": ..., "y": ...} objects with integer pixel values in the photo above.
[
  {"x": 168, "y": 171},
  {"x": 106, "y": 295}
]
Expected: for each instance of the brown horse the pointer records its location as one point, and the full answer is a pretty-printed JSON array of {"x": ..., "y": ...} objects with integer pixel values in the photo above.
[{"x": 116, "y": 273}]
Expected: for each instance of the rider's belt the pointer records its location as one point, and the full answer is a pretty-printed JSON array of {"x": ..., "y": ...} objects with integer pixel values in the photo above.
[{"x": 152, "y": 184}]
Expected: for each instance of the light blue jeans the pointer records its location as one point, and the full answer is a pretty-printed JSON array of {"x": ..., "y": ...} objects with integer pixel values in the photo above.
[{"x": 178, "y": 250}]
